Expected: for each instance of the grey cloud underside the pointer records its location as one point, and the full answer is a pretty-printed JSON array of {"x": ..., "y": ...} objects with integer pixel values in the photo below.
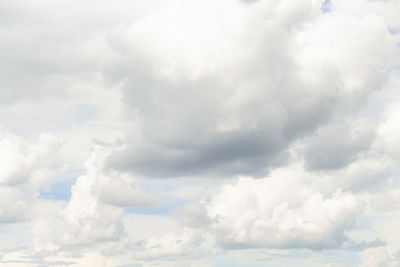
[
  {"x": 233, "y": 122},
  {"x": 235, "y": 107},
  {"x": 180, "y": 143},
  {"x": 227, "y": 154},
  {"x": 335, "y": 146},
  {"x": 182, "y": 126}
]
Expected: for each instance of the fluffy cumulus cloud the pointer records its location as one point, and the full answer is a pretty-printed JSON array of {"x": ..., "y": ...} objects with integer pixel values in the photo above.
[
  {"x": 22, "y": 160},
  {"x": 276, "y": 213},
  {"x": 87, "y": 218},
  {"x": 25, "y": 166},
  {"x": 95, "y": 208},
  {"x": 199, "y": 133},
  {"x": 225, "y": 89},
  {"x": 285, "y": 210}
]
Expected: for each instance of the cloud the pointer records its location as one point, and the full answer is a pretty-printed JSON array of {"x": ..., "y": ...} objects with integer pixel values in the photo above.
[
  {"x": 388, "y": 132},
  {"x": 364, "y": 245},
  {"x": 89, "y": 220},
  {"x": 276, "y": 124},
  {"x": 220, "y": 91},
  {"x": 172, "y": 245},
  {"x": 25, "y": 166},
  {"x": 365, "y": 175},
  {"x": 20, "y": 159},
  {"x": 121, "y": 194},
  {"x": 18, "y": 211},
  {"x": 374, "y": 257},
  {"x": 89, "y": 214},
  {"x": 337, "y": 145},
  {"x": 291, "y": 208},
  {"x": 281, "y": 212}
]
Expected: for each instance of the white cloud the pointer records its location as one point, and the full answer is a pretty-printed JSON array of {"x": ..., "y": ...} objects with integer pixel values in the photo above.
[
  {"x": 121, "y": 194},
  {"x": 282, "y": 211},
  {"x": 220, "y": 90},
  {"x": 89, "y": 213},
  {"x": 172, "y": 245},
  {"x": 90, "y": 220},
  {"x": 25, "y": 166},
  {"x": 13, "y": 205},
  {"x": 275, "y": 124},
  {"x": 94, "y": 259},
  {"x": 20, "y": 159}
]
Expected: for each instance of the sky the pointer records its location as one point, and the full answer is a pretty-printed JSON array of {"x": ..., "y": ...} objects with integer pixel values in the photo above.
[{"x": 188, "y": 133}]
